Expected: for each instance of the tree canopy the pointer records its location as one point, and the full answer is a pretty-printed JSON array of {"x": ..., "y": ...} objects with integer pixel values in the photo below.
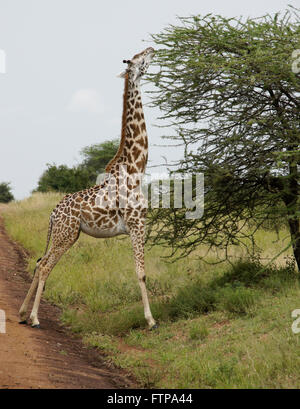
[
  {"x": 63, "y": 179},
  {"x": 96, "y": 157},
  {"x": 230, "y": 89},
  {"x": 5, "y": 193},
  {"x": 66, "y": 179}
]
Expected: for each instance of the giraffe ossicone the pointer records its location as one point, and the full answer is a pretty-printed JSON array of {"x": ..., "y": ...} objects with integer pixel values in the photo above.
[{"x": 115, "y": 206}]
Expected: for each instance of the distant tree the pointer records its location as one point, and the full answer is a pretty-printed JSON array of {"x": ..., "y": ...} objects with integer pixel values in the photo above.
[
  {"x": 96, "y": 157},
  {"x": 65, "y": 179},
  {"x": 231, "y": 88},
  {"x": 5, "y": 193}
]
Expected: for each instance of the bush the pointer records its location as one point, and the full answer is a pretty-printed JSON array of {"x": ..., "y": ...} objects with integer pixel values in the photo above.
[
  {"x": 5, "y": 193},
  {"x": 237, "y": 300},
  {"x": 68, "y": 180},
  {"x": 236, "y": 292},
  {"x": 63, "y": 179}
]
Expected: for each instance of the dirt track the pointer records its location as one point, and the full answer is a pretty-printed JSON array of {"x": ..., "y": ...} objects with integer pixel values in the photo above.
[{"x": 49, "y": 357}]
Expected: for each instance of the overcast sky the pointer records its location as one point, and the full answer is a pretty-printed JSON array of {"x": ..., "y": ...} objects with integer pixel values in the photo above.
[{"x": 60, "y": 91}]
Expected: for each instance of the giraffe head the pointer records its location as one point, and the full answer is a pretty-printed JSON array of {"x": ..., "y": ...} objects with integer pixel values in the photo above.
[{"x": 138, "y": 65}]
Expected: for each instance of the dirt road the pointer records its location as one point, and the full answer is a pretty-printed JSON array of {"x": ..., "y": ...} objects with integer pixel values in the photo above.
[{"x": 49, "y": 357}]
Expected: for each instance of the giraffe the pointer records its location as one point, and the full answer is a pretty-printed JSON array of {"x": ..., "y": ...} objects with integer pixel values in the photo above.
[{"x": 97, "y": 211}]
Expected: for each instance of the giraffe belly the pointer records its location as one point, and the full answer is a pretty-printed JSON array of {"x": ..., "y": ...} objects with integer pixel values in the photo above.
[{"x": 103, "y": 232}]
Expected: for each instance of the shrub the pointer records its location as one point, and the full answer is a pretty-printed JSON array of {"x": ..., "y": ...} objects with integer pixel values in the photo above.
[{"x": 5, "y": 193}]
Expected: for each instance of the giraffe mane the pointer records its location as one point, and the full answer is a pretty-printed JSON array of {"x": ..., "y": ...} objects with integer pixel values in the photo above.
[{"x": 122, "y": 142}]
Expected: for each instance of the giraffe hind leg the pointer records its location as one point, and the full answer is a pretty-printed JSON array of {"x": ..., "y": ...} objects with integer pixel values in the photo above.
[
  {"x": 33, "y": 286},
  {"x": 58, "y": 248},
  {"x": 44, "y": 270}
]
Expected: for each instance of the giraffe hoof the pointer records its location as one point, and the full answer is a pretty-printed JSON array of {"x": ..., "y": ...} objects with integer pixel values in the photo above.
[
  {"x": 36, "y": 326},
  {"x": 23, "y": 322},
  {"x": 155, "y": 326}
]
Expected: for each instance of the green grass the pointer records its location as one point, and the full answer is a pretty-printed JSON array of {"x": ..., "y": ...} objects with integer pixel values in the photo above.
[{"x": 221, "y": 326}]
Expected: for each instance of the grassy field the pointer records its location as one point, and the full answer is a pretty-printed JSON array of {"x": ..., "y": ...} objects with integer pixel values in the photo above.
[{"x": 221, "y": 326}]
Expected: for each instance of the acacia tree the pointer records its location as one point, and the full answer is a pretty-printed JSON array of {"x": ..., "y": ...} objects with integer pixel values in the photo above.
[{"x": 231, "y": 90}]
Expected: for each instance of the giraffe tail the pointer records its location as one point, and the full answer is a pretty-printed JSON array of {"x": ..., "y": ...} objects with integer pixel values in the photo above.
[{"x": 49, "y": 234}]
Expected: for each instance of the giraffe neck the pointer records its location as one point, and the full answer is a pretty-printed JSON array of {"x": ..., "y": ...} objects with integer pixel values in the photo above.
[{"x": 133, "y": 149}]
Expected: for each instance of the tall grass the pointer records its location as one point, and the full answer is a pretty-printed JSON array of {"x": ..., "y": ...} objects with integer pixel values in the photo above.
[{"x": 220, "y": 325}]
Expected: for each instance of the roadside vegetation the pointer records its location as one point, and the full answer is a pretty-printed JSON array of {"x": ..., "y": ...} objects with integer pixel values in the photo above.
[{"x": 221, "y": 325}]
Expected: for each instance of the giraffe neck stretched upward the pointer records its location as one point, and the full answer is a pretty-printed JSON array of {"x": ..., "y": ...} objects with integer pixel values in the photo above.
[{"x": 133, "y": 149}]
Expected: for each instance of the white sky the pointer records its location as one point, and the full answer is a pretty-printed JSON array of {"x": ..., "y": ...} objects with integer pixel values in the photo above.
[{"x": 60, "y": 91}]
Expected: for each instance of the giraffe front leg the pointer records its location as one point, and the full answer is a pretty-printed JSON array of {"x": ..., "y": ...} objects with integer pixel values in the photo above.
[
  {"x": 137, "y": 239},
  {"x": 59, "y": 246}
]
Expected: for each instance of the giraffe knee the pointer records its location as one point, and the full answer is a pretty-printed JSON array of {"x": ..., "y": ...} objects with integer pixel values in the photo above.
[
  {"x": 143, "y": 278},
  {"x": 43, "y": 272}
]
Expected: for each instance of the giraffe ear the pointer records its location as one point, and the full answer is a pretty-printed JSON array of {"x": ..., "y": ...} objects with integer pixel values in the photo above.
[{"x": 122, "y": 74}]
